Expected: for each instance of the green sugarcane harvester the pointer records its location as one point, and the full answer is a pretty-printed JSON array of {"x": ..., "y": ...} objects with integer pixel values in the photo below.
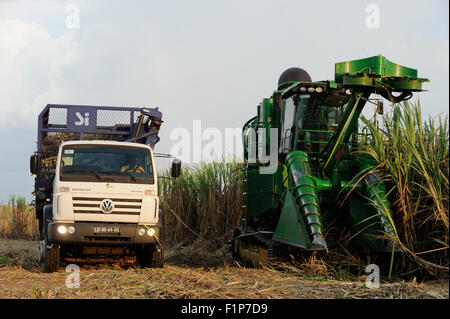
[{"x": 309, "y": 129}]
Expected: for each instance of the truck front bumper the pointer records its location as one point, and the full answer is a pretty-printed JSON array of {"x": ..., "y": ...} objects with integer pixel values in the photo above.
[{"x": 102, "y": 233}]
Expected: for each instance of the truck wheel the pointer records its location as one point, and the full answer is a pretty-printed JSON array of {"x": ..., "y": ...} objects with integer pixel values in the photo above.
[
  {"x": 144, "y": 257},
  {"x": 151, "y": 256},
  {"x": 158, "y": 256},
  {"x": 235, "y": 245},
  {"x": 49, "y": 257}
]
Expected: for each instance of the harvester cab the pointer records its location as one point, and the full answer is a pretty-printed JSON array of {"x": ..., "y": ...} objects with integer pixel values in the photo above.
[{"x": 315, "y": 128}]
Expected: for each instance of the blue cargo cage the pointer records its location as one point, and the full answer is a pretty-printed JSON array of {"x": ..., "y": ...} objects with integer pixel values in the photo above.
[
  {"x": 61, "y": 122},
  {"x": 105, "y": 122}
]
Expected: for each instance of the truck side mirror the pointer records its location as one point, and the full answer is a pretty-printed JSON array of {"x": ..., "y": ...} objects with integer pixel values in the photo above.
[
  {"x": 380, "y": 109},
  {"x": 34, "y": 164},
  {"x": 176, "y": 168}
]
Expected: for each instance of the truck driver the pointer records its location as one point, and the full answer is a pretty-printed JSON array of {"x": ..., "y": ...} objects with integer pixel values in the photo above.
[{"x": 133, "y": 165}]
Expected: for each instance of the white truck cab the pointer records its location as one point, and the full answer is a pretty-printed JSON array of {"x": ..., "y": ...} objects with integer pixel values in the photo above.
[
  {"x": 105, "y": 195},
  {"x": 95, "y": 182}
]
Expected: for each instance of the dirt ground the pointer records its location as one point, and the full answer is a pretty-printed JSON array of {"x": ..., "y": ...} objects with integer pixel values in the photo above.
[{"x": 186, "y": 276}]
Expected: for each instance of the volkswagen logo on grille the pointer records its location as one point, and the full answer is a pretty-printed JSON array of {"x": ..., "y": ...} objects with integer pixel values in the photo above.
[{"x": 106, "y": 206}]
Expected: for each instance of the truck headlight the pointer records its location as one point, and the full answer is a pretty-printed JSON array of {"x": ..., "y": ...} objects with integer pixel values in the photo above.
[
  {"x": 62, "y": 229},
  {"x": 70, "y": 229},
  {"x": 150, "y": 232},
  {"x": 141, "y": 232}
]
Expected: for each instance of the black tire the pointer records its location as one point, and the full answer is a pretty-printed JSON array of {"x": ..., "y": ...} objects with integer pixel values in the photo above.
[
  {"x": 41, "y": 232},
  {"x": 144, "y": 257},
  {"x": 50, "y": 258},
  {"x": 151, "y": 256},
  {"x": 235, "y": 245},
  {"x": 161, "y": 222},
  {"x": 158, "y": 256},
  {"x": 47, "y": 216}
]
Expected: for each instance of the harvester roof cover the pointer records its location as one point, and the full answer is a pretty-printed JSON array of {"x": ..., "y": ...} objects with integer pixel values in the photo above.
[{"x": 378, "y": 70}]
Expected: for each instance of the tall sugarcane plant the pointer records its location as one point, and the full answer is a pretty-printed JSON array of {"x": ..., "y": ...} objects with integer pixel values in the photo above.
[{"x": 413, "y": 156}]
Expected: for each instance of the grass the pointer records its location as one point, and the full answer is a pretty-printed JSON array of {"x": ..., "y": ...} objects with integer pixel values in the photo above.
[
  {"x": 17, "y": 220},
  {"x": 413, "y": 157},
  {"x": 180, "y": 280},
  {"x": 18, "y": 252},
  {"x": 4, "y": 260},
  {"x": 203, "y": 203}
]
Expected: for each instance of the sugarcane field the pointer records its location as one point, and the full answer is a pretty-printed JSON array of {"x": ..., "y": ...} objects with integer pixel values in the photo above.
[{"x": 224, "y": 159}]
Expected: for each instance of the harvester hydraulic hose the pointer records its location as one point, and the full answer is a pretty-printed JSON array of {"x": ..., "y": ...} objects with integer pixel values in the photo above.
[{"x": 304, "y": 190}]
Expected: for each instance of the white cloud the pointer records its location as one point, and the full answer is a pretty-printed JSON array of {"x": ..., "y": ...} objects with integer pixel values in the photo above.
[{"x": 28, "y": 54}]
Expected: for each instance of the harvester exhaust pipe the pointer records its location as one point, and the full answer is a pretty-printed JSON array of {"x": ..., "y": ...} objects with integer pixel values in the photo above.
[{"x": 303, "y": 188}]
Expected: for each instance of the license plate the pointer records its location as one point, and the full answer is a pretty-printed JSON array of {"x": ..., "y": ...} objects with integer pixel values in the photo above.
[{"x": 106, "y": 229}]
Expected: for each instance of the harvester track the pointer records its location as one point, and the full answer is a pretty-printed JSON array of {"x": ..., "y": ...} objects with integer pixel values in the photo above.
[{"x": 258, "y": 251}]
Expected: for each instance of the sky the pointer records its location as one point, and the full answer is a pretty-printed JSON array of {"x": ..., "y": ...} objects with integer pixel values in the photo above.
[{"x": 208, "y": 61}]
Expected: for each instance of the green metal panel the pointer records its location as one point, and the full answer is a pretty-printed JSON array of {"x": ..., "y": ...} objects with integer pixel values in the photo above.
[
  {"x": 357, "y": 79},
  {"x": 376, "y": 71},
  {"x": 263, "y": 191},
  {"x": 378, "y": 65},
  {"x": 403, "y": 83},
  {"x": 265, "y": 112},
  {"x": 291, "y": 229},
  {"x": 259, "y": 192}
]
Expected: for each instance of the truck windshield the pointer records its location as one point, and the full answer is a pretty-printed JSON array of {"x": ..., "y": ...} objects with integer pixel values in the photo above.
[{"x": 118, "y": 164}]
